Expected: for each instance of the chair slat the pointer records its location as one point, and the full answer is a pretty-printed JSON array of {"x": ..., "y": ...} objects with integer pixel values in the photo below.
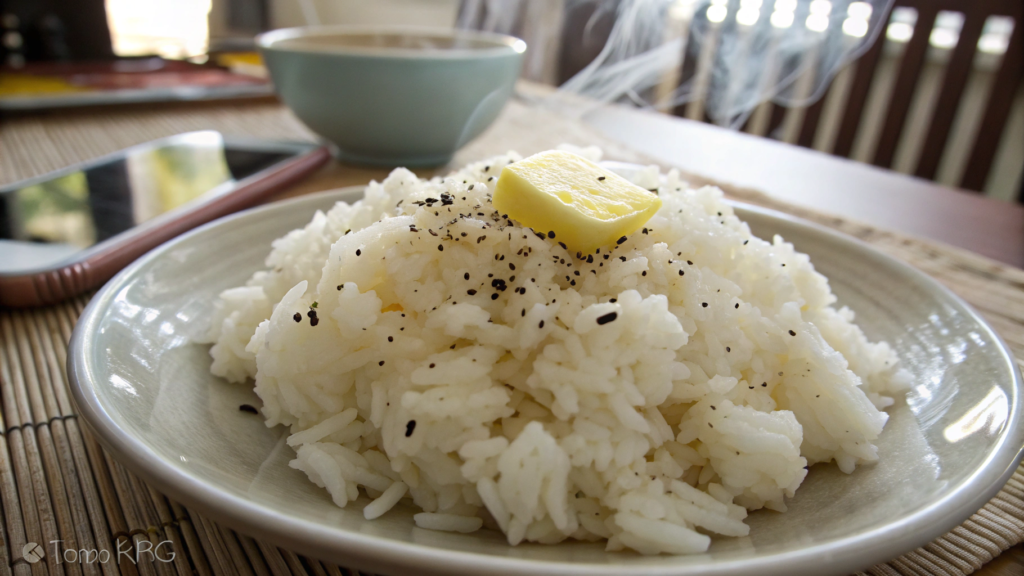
[
  {"x": 809, "y": 127},
  {"x": 778, "y": 116},
  {"x": 688, "y": 72},
  {"x": 989, "y": 7},
  {"x": 1000, "y": 100},
  {"x": 863, "y": 78},
  {"x": 957, "y": 72},
  {"x": 903, "y": 90}
]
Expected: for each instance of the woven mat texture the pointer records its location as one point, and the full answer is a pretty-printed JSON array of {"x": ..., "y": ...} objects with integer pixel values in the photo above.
[{"x": 57, "y": 483}]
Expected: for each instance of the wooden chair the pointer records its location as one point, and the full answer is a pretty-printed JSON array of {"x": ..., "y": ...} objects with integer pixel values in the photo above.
[
  {"x": 585, "y": 31},
  {"x": 996, "y": 112}
]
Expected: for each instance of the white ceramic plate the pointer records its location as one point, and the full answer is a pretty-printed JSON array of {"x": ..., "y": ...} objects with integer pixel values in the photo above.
[{"x": 145, "y": 389}]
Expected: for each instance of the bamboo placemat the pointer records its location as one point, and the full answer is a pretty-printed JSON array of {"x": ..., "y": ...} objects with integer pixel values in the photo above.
[{"x": 56, "y": 483}]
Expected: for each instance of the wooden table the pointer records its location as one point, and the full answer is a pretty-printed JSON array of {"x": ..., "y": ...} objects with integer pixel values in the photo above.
[
  {"x": 32, "y": 145},
  {"x": 822, "y": 182}
]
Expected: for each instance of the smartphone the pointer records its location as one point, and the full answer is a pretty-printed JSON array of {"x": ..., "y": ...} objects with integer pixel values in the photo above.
[{"x": 69, "y": 231}]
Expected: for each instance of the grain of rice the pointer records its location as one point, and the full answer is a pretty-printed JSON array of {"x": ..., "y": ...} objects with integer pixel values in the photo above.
[{"x": 386, "y": 501}]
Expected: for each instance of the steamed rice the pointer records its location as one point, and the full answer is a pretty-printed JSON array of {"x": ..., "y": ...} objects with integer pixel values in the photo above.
[{"x": 418, "y": 345}]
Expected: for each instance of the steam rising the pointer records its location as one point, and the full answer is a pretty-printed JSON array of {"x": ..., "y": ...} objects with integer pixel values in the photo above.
[{"x": 736, "y": 54}]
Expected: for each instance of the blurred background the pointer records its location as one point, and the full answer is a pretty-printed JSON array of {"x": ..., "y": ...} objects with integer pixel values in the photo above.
[{"x": 930, "y": 88}]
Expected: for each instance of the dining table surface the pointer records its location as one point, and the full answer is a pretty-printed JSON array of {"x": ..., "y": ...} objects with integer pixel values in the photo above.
[{"x": 967, "y": 241}]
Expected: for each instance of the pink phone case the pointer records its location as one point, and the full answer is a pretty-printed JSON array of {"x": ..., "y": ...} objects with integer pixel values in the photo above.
[{"x": 51, "y": 286}]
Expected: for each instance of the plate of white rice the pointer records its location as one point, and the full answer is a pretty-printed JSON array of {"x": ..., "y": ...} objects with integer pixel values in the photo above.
[{"x": 401, "y": 379}]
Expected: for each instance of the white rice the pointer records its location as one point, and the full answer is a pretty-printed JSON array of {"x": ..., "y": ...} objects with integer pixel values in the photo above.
[{"x": 725, "y": 372}]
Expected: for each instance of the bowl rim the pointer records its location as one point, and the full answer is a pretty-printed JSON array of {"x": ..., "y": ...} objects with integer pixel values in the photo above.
[
  {"x": 501, "y": 45},
  {"x": 356, "y": 550}
]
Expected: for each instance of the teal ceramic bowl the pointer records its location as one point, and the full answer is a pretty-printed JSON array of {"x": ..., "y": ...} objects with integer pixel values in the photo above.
[{"x": 393, "y": 96}]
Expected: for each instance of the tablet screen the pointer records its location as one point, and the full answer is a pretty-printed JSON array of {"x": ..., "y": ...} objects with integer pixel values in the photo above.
[{"x": 50, "y": 220}]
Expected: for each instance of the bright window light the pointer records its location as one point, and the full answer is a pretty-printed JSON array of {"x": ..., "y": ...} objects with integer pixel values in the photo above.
[
  {"x": 949, "y": 20},
  {"x": 859, "y": 10},
  {"x": 943, "y": 38},
  {"x": 904, "y": 15},
  {"x": 785, "y": 5},
  {"x": 748, "y": 16},
  {"x": 717, "y": 13},
  {"x": 719, "y": 2},
  {"x": 681, "y": 10},
  {"x": 170, "y": 28},
  {"x": 817, "y": 22},
  {"x": 993, "y": 43},
  {"x": 782, "y": 19},
  {"x": 820, "y": 7},
  {"x": 855, "y": 27},
  {"x": 998, "y": 25},
  {"x": 899, "y": 32},
  {"x": 755, "y": 4}
]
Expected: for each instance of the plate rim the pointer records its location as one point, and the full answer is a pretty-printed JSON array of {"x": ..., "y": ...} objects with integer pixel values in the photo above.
[{"x": 378, "y": 553}]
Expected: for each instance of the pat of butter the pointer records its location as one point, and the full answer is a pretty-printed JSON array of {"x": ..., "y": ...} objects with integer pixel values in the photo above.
[{"x": 584, "y": 205}]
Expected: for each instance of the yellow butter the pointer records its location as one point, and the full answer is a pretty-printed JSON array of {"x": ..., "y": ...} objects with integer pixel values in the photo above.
[{"x": 586, "y": 206}]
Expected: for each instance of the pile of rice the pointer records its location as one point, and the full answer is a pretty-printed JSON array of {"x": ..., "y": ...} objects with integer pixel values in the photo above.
[{"x": 420, "y": 345}]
